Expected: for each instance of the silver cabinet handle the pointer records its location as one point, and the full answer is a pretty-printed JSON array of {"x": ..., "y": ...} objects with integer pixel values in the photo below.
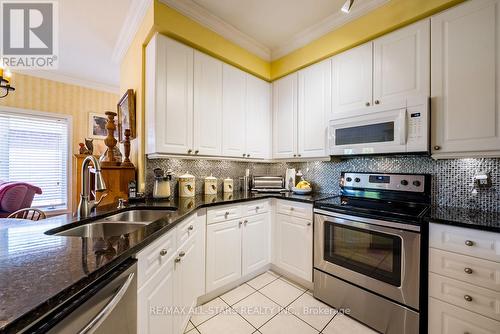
[
  {"x": 226, "y": 214},
  {"x": 367, "y": 104},
  {"x": 308, "y": 223},
  {"x": 196, "y": 152},
  {"x": 248, "y": 155},
  {"x": 182, "y": 254},
  {"x": 245, "y": 222},
  {"x": 189, "y": 151},
  {"x": 94, "y": 324},
  {"x": 468, "y": 298},
  {"x": 294, "y": 155},
  {"x": 239, "y": 224},
  {"x": 163, "y": 252},
  {"x": 437, "y": 147},
  {"x": 291, "y": 208},
  {"x": 190, "y": 228},
  {"x": 468, "y": 271},
  {"x": 377, "y": 102},
  {"x": 244, "y": 155},
  {"x": 469, "y": 243},
  {"x": 299, "y": 155},
  {"x": 177, "y": 260}
]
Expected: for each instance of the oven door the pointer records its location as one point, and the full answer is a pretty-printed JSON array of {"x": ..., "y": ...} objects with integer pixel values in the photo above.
[
  {"x": 382, "y": 259},
  {"x": 373, "y": 133}
]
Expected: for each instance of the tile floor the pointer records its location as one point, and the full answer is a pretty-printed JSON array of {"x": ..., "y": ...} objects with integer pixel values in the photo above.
[{"x": 270, "y": 304}]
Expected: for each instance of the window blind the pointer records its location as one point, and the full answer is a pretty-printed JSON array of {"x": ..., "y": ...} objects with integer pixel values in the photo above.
[{"x": 34, "y": 149}]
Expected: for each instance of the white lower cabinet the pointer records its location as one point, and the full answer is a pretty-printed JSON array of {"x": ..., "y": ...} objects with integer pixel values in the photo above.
[
  {"x": 256, "y": 243},
  {"x": 294, "y": 245},
  {"x": 237, "y": 247},
  {"x": 167, "y": 293},
  {"x": 464, "y": 289},
  {"x": 223, "y": 253}
]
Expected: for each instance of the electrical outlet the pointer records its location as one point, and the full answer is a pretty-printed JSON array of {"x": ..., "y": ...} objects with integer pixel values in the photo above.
[{"x": 482, "y": 180}]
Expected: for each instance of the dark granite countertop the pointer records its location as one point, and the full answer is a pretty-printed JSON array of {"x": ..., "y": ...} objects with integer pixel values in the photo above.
[
  {"x": 475, "y": 219},
  {"x": 38, "y": 272}
]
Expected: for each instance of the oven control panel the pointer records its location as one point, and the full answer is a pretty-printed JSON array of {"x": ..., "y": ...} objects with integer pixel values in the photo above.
[{"x": 398, "y": 182}]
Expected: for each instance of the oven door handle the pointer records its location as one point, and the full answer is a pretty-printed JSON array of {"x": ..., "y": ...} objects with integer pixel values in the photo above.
[{"x": 94, "y": 324}]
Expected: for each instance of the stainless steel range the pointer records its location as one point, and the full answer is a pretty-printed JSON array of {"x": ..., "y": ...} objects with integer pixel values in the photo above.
[{"x": 367, "y": 249}]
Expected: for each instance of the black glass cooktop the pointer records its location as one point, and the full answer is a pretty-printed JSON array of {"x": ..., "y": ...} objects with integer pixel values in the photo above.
[{"x": 380, "y": 209}]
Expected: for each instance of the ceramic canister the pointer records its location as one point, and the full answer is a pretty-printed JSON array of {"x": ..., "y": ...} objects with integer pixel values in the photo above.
[
  {"x": 186, "y": 185},
  {"x": 228, "y": 185},
  {"x": 210, "y": 185}
]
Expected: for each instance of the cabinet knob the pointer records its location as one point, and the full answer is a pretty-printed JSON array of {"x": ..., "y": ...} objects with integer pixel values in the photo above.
[
  {"x": 291, "y": 208},
  {"x": 182, "y": 254},
  {"x": 294, "y": 155},
  {"x": 469, "y": 243},
  {"x": 189, "y": 151},
  {"x": 245, "y": 222},
  {"x": 177, "y": 260},
  {"x": 377, "y": 102},
  {"x": 226, "y": 214},
  {"x": 437, "y": 147},
  {"x": 468, "y": 298},
  {"x": 468, "y": 271},
  {"x": 239, "y": 224},
  {"x": 190, "y": 228},
  {"x": 309, "y": 223},
  {"x": 299, "y": 155},
  {"x": 248, "y": 155},
  {"x": 196, "y": 152},
  {"x": 367, "y": 104},
  {"x": 163, "y": 252}
]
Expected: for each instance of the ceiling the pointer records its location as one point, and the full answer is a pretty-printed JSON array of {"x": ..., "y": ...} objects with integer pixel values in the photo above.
[
  {"x": 88, "y": 33},
  {"x": 272, "y": 28}
]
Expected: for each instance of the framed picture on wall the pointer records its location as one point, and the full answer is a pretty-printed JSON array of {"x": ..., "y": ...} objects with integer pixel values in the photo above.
[
  {"x": 126, "y": 115},
  {"x": 97, "y": 126}
]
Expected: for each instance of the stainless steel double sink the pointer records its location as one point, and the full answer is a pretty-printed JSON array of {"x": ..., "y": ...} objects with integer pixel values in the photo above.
[{"x": 115, "y": 225}]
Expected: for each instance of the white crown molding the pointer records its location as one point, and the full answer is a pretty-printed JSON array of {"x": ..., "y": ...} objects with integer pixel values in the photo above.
[
  {"x": 71, "y": 80},
  {"x": 325, "y": 26},
  {"x": 133, "y": 20},
  {"x": 214, "y": 23}
]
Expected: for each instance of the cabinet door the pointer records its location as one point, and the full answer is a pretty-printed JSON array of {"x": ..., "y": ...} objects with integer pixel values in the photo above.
[
  {"x": 207, "y": 105},
  {"x": 402, "y": 64},
  {"x": 170, "y": 96},
  {"x": 157, "y": 293},
  {"x": 352, "y": 80},
  {"x": 314, "y": 102},
  {"x": 285, "y": 117},
  {"x": 465, "y": 80},
  {"x": 223, "y": 254},
  {"x": 187, "y": 280},
  {"x": 258, "y": 118},
  {"x": 233, "y": 111},
  {"x": 294, "y": 245},
  {"x": 256, "y": 242}
]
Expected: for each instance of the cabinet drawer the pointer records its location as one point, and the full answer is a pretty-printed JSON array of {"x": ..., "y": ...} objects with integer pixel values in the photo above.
[
  {"x": 186, "y": 230},
  {"x": 152, "y": 258},
  {"x": 223, "y": 213},
  {"x": 465, "y": 268},
  {"x": 476, "y": 299},
  {"x": 448, "y": 319},
  {"x": 296, "y": 209},
  {"x": 485, "y": 245},
  {"x": 254, "y": 208}
]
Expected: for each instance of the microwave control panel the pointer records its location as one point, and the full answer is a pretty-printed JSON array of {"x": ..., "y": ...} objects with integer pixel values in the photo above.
[{"x": 417, "y": 119}]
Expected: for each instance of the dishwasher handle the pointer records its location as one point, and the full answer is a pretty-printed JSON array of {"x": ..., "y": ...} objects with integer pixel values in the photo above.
[{"x": 94, "y": 324}]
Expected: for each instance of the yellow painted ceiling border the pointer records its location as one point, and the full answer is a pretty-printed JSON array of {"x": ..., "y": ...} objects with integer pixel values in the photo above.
[{"x": 389, "y": 17}]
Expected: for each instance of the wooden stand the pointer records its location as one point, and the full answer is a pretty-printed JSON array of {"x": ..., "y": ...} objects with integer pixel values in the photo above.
[
  {"x": 126, "y": 147},
  {"x": 110, "y": 141}
]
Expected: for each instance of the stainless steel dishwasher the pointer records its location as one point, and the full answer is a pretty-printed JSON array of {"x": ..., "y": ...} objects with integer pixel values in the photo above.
[{"x": 108, "y": 306}]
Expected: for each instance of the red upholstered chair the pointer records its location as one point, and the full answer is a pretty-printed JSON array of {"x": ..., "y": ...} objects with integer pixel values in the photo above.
[{"x": 15, "y": 196}]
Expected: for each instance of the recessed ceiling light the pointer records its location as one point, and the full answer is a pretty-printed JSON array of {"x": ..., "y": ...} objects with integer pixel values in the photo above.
[{"x": 346, "y": 8}]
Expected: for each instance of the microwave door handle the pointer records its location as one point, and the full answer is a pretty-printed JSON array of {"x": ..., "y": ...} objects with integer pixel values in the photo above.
[
  {"x": 403, "y": 125},
  {"x": 94, "y": 324}
]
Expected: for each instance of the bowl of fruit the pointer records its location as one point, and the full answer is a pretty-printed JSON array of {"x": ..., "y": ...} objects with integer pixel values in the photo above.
[{"x": 302, "y": 188}]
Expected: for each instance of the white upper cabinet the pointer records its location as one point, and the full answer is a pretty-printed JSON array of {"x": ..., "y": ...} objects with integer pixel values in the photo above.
[
  {"x": 314, "y": 107},
  {"x": 465, "y": 80},
  {"x": 169, "y": 97},
  {"x": 258, "y": 118},
  {"x": 207, "y": 105},
  {"x": 285, "y": 117},
  {"x": 352, "y": 80},
  {"x": 233, "y": 111},
  {"x": 401, "y": 64}
]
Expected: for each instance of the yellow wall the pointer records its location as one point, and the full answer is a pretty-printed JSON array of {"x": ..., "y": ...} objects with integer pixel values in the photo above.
[
  {"x": 39, "y": 94},
  {"x": 171, "y": 23},
  {"x": 389, "y": 17},
  {"x": 132, "y": 77}
]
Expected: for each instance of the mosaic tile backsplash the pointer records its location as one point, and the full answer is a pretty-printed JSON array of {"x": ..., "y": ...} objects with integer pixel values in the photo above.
[{"x": 451, "y": 179}]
